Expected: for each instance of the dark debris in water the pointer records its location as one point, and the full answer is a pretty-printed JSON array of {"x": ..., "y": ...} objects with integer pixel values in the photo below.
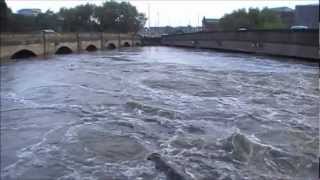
[{"x": 172, "y": 172}]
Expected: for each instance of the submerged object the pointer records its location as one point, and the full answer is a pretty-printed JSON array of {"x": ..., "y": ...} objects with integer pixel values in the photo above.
[{"x": 162, "y": 165}]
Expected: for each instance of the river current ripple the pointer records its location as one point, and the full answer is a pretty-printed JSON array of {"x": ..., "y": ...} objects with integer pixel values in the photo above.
[{"x": 208, "y": 115}]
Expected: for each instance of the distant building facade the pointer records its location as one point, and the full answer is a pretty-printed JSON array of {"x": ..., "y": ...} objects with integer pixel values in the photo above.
[
  {"x": 210, "y": 24},
  {"x": 29, "y": 12},
  {"x": 307, "y": 15},
  {"x": 285, "y": 14}
]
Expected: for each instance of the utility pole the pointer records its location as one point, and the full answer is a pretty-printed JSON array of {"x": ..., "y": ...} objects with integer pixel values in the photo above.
[
  {"x": 158, "y": 19},
  {"x": 158, "y": 25},
  {"x": 149, "y": 17},
  {"x": 198, "y": 21},
  {"x": 198, "y": 24}
]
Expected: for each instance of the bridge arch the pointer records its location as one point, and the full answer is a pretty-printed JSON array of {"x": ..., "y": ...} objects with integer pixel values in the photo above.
[
  {"x": 24, "y": 53},
  {"x": 91, "y": 48},
  {"x": 64, "y": 50},
  {"x": 111, "y": 46},
  {"x": 126, "y": 44}
]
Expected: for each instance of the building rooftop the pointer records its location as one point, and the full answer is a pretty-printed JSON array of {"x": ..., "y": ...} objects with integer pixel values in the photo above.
[
  {"x": 209, "y": 20},
  {"x": 282, "y": 9},
  {"x": 307, "y": 5},
  {"x": 29, "y": 11}
]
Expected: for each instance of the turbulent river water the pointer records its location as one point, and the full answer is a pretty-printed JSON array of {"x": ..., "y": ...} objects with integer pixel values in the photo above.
[{"x": 208, "y": 115}]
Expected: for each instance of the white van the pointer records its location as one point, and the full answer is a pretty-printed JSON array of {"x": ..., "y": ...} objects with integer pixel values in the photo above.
[{"x": 299, "y": 27}]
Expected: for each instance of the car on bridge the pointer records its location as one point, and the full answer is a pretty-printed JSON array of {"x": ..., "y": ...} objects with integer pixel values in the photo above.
[
  {"x": 48, "y": 31},
  {"x": 243, "y": 29},
  {"x": 299, "y": 27}
]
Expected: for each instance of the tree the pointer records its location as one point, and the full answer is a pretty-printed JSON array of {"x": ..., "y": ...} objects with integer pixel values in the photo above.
[
  {"x": 252, "y": 19},
  {"x": 269, "y": 20},
  {"x": 140, "y": 22},
  {"x": 47, "y": 20},
  {"x": 121, "y": 17},
  {"x": 21, "y": 23},
  {"x": 107, "y": 14},
  {"x": 4, "y": 15},
  {"x": 78, "y": 18},
  {"x": 235, "y": 20},
  {"x": 253, "y": 16},
  {"x": 81, "y": 18}
]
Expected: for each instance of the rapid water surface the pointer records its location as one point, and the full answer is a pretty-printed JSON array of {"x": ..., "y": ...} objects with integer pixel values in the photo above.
[{"x": 209, "y": 115}]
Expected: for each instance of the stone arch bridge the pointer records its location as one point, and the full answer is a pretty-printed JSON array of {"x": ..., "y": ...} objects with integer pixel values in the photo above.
[{"x": 45, "y": 44}]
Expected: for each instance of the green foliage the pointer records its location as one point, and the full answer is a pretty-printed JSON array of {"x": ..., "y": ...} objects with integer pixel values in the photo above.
[
  {"x": 78, "y": 18},
  {"x": 4, "y": 15},
  {"x": 20, "y": 23},
  {"x": 81, "y": 18},
  {"x": 47, "y": 20},
  {"x": 251, "y": 19},
  {"x": 122, "y": 17}
]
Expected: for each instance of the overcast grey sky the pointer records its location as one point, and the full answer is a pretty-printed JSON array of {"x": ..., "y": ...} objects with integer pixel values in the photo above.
[{"x": 168, "y": 12}]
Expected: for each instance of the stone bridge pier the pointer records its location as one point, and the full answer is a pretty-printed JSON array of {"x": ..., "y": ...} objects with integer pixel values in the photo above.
[{"x": 15, "y": 46}]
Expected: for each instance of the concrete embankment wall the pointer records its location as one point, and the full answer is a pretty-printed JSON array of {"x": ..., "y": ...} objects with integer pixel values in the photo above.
[
  {"x": 49, "y": 43},
  {"x": 151, "y": 41},
  {"x": 297, "y": 43}
]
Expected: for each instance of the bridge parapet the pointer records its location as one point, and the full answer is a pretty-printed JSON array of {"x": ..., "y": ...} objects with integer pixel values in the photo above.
[
  {"x": 43, "y": 44},
  {"x": 64, "y": 37},
  {"x": 89, "y": 36},
  {"x": 294, "y": 43},
  {"x": 19, "y": 39},
  {"x": 112, "y": 36}
]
